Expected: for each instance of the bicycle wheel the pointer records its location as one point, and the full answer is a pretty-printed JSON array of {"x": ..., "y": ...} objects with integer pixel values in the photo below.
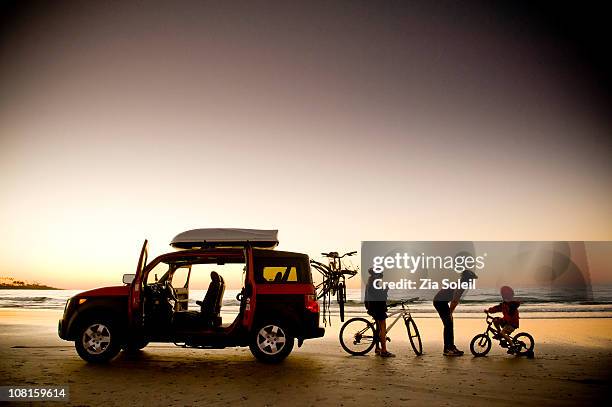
[
  {"x": 480, "y": 345},
  {"x": 358, "y": 336},
  {"x": 341, "y": 299},
  {"x": 524, "y": 342},
  {"x": 414, "y": 336}
]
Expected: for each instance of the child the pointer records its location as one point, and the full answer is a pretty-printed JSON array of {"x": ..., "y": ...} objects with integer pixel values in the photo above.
[
  {"x": 510, "y": 320},
  {"x": 376, "y": 304}
]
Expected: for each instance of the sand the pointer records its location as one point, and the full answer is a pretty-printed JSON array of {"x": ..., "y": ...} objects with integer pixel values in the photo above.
[{"x": 571, "y": 367}]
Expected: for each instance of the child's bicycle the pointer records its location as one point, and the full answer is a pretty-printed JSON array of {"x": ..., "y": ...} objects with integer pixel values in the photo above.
[
  {"x": 358, "y": 335},
  {"x": 522, "y": 345}
]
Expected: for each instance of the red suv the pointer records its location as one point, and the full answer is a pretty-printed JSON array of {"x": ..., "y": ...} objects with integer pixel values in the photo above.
[{"x": 276, "y": 305}]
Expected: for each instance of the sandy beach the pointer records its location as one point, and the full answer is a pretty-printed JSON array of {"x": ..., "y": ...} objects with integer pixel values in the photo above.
[{"x": 571, "y": 367}]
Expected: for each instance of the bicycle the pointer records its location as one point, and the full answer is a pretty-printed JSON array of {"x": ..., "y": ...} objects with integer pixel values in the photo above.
[
  {"x": 523, "y": 343},
  {"x": 358, "y": 335},
  {"x": 334, "y": 281}
]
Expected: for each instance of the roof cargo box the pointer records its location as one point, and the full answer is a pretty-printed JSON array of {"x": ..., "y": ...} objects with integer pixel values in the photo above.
[{"x": 224, "y": 237}]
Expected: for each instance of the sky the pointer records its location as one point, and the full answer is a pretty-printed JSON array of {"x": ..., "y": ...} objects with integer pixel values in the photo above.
[{"x": 334, "y": 123}]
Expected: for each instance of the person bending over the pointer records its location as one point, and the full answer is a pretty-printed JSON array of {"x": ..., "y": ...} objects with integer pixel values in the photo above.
[{"x": 445, "y": 302}]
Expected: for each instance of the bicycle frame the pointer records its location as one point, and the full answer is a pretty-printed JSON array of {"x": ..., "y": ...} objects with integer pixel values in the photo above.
[
  {"x": 403, "y": 313},
  {"x": 493, "y": 330},
  {"x": 490, "y": 326}
]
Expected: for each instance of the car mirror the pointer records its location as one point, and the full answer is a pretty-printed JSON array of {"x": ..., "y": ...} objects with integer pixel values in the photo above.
[{"x": 128, "y": 278}]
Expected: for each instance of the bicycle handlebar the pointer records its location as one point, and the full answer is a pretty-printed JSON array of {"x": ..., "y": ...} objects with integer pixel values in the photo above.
[
  {"x": 335, "y": 255},
  {"x": 395, "y": 304}
]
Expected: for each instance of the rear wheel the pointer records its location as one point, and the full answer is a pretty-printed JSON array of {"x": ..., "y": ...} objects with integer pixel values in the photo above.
[
  {"x": 480, "y": 345},
  {"x": 414, "y": 336},
  {"x": 271, "y": 343},
  {"x": 98, "y": 341},
  {"x": 523, "y": 343},
  {"x": 358, "y": 336}
]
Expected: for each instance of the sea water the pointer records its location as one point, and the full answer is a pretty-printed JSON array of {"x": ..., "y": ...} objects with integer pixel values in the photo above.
[{"x": 534, "y": 302}]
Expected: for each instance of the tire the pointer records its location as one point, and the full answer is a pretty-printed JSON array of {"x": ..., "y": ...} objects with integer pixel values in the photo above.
[
  {"x": 525, "y": 342},
  {"x": 480, "y": 345},
  {"x": 98, "y": 340},
  {"x": 358, "y": 336},
  {"x": 271, "y": 342},
  {"x": 414, "y": 336}
]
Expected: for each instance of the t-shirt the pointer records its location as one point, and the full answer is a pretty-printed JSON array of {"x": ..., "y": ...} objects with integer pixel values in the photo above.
[
  {"x": 510, "y": 311},
  {"x": 373, "y": 294}
]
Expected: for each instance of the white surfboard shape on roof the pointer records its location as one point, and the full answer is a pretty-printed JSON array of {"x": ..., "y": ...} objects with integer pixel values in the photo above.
[{"x": 225, "y": 237}]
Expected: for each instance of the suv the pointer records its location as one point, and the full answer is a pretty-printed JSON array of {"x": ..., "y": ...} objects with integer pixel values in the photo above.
[{"x": 277, "y": 302}]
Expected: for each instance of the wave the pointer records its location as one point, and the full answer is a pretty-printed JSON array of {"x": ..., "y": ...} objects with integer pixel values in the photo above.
[{"x": 533, "y": 300}]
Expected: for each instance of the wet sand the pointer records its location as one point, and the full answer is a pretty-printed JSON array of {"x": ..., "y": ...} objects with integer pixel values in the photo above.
[{"x": 571, "y": 367}]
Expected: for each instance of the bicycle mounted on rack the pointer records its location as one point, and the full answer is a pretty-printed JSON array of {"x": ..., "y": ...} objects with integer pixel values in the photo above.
[{"x": 334, "y": 281}]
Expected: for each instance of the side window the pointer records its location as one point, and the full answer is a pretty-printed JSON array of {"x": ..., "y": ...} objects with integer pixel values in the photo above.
[
  {"x": 277, "y": 274},
  {"x": 281, "y": 270},
  {"x": 160, "y": 272},
  {"x": 180, "y": 277}
]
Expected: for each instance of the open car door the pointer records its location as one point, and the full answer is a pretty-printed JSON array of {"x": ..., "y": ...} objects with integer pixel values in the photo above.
[{"x": 135, "y": 306}]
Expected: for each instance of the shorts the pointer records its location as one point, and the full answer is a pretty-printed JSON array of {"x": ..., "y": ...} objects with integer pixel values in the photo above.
[
  {"x": 507, "y": 328},
  {"x": 378, "y": 310}
]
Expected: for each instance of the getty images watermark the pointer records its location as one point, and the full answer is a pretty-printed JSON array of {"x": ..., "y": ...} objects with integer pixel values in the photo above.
[
  {"x": 412, "y": 264},
  {"x": 411, "y": 269}
]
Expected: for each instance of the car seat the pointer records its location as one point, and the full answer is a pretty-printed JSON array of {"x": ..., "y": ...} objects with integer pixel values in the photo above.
[{"x": 210, "y": 306}]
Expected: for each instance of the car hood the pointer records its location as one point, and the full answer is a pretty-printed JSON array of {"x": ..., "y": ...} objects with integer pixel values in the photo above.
[{"x": 115, "y": 291}]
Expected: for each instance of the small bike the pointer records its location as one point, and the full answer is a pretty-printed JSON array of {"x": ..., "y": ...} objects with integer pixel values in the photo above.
[
  {"x": 358, "y": 335},
  {"x": 522, "y": 343}
]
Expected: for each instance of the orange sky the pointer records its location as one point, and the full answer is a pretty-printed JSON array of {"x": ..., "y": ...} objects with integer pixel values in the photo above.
[{"x": 122, "y": 122}]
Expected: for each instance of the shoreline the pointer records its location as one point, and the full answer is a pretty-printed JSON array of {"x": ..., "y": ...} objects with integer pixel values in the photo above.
[
  {"x": 571, "y": 367},
  {"x": 586, "y": 314}
]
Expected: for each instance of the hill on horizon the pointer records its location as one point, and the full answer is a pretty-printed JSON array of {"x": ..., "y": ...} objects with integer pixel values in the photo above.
[{"x": 11, "y": 284}]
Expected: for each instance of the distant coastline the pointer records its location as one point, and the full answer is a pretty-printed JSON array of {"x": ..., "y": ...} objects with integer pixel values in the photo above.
[
  {"x": 27, "y": 287},
  {"x": 9, "y": 283}
]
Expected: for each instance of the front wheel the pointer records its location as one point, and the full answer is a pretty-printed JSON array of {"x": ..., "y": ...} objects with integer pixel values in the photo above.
[
  {"x": 98, "y": 341},
  {"x": 271, "y": 343},
  {"x": 523, "y": 343},
  {"x": 414, "y": 336},
  {"x": 358, "y": 336},
  {"x": 480, "y": 345}
]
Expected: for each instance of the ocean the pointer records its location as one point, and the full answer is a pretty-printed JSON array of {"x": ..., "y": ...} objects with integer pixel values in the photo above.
[{"x": 534, "y": 302}]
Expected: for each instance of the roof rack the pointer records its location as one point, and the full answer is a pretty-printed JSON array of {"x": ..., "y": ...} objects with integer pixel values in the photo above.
[{"x": 225, "y": 237}]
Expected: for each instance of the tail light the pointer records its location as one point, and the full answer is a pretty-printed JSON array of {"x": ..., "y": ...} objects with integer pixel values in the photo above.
[{"x": 312, "y": 304}]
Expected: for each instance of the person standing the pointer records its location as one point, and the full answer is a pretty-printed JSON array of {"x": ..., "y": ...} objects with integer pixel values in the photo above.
[
  {"x": 376, "y": 304},
  {"x": 445, "y": 301}
]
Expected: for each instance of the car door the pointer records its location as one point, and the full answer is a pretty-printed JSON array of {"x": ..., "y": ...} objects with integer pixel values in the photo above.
[{"x": 135, "y": 300}]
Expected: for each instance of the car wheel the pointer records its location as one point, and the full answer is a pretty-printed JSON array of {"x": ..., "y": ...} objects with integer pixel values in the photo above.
[
  {"x": 98, "y": 341},
  {"x": 271, "y": 342}
]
